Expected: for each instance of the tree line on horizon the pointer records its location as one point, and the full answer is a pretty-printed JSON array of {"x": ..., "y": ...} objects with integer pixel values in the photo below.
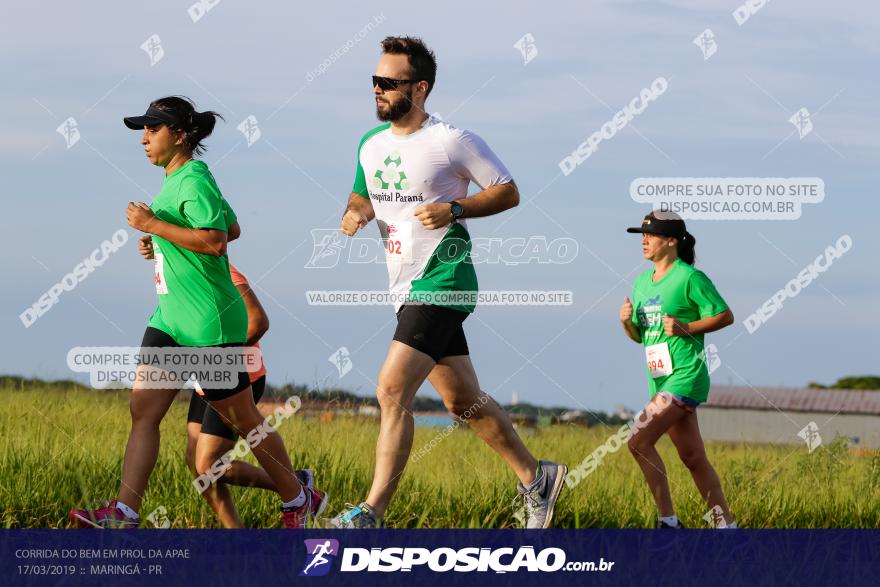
[{"x": 347, "y": 399}]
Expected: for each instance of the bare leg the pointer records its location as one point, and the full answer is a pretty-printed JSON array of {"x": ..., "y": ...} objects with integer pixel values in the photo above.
[
  {"x": 209, "y": 449},
  {"x": 239, "y": 472},
  {"x": 685, "y": 435},
  {"x": 193, "y": 429},
  {"x": 206, "y": 449},
  {"x": 241, "y": 414},
  {"x": 246, "y": 475},
  {"x": 217, "y": 495},
  {"x": 147, "y": 407},
  {"x": 403, "y": 372},
  {"x": 455, "y": 380},
  {"x": 660, "y": 416}
]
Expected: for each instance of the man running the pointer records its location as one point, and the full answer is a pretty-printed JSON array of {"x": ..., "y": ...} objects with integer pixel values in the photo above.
[
  {"x": 320, "y": 559},
  {"x": 412, "y": 176}
]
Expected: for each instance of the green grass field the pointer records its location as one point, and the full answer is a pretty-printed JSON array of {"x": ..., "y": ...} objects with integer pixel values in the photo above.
[{"x": 61, "y": 449}]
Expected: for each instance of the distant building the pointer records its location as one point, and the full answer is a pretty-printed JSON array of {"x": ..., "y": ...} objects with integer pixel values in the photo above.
[
  {"x": 776, "y": 415},
  {"x": 624, "y": 413},
  {"x": 372, "y": 411}
]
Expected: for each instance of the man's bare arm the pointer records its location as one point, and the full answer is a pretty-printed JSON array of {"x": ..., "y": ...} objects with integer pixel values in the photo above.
[{"x": 357, "y": 214}]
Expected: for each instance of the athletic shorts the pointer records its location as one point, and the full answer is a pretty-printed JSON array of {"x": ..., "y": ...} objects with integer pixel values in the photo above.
[
  {"x": 685, "y": 403},
  {"x": 202, "y": 413},
  {"x": 153, "y": 337},
  {"x": 433, "y": 330}
]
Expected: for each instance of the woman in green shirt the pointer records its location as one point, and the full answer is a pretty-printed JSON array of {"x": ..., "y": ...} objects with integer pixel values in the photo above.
[
  {"x": 188, "y": 226},
  {"x": 673, "y": 306}
]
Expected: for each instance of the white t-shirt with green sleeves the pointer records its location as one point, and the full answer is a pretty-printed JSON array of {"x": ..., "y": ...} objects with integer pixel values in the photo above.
[{"x": 399, "y": 173}]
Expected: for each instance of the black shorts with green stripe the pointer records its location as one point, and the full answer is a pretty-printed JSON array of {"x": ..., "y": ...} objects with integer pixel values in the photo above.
[{"x": 433, "y": 330}]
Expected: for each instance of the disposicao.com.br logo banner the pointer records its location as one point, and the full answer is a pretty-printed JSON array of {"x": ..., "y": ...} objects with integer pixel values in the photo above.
[{"x": 321, "y": 553}]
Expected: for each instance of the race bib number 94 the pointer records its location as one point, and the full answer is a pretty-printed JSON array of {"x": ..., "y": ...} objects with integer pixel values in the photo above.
[
  {"x": 659, "y": 361},
  {"x": 398, "y": 246}
]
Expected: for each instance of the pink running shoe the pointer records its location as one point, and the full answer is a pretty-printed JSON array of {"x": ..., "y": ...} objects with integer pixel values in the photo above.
[
  {"x": 108, "y": 516},
  {"x": 315, "y": 503}
]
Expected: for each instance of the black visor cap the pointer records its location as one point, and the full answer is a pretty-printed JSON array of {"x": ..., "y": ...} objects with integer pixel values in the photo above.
[
  {"x": 662, "y": 225},
  {"x": 152, "y": 117}
]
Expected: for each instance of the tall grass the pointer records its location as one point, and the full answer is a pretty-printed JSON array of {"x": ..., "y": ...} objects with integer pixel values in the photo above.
[{"x": 61, "y": 449}]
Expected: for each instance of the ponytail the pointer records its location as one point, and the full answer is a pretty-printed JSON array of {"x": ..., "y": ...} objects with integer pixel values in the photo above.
[
  {"x": 685, "y": 248},
  {"x": 195, "y": 126},
  {"x": 201, "y": 127}
]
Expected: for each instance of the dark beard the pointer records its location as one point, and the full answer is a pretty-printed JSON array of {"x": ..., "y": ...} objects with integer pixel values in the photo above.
[{"x": 395, "y": 111}]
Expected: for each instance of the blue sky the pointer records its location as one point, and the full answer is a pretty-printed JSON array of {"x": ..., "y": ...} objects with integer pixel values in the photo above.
[{"x": 722, "y": 117}]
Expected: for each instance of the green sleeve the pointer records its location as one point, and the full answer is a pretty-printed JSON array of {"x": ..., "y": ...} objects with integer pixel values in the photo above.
[
  {"x": 202, "y": 205},
  {"x": 360, "y": 181},
  {"x": 702, "y": 294},
  {"x": 229, "y": 213}
]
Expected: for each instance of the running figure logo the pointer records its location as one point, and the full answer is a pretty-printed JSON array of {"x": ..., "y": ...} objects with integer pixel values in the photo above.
[
  {"x": 320, "y": 553},
  {"x": 342, "y": 359},
  {"x": 159, "y": 517},
  {"x": 392, "y": 173},
  {"x": 810, "y": 435},
  {"x": 710, "y": 356},
  {"x": 70, "y": 131},
  {"x": 802, "y": 121},
  {"x": 153, "y": 48},
  {"x": 327, "y": 246},
  {"x": 715, "y": 516},
  {"x": 250, "y": 128},
  {"x": 527, "y": 48},
  {"x": 706, "y": 42}
]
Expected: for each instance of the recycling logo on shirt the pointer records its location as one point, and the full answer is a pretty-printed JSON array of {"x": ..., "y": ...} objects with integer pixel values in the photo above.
[{"x": 392, "y": 174}]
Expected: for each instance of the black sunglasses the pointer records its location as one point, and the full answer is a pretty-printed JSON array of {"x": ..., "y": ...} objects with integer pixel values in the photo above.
[{"x": 387, "y": 83}]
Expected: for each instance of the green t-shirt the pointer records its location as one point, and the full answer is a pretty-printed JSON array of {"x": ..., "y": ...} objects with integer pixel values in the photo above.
[
  {"x": 687, "y": 294},
  {"x": 198, "y": 304}
]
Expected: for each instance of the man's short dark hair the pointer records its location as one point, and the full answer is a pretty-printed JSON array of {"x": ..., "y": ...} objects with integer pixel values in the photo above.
[{"x": 421, "y": 59}]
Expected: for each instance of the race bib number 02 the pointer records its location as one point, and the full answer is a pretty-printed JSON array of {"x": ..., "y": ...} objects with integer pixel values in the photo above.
[
  {"x": 161, "y": 286},
  {"x": 398, "y": 246},
  {"x": 659, "y": 361}
]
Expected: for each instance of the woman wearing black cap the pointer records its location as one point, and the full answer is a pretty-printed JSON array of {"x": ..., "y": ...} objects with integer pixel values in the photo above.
[
  {"x": 188, "y": 226},
  {"x": 674, "y": 305}
]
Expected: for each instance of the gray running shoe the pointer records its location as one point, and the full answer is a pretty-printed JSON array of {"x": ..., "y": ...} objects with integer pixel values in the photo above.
[
  {"x": 539, "y": 498},
  {"x": 360, "y": 516}
]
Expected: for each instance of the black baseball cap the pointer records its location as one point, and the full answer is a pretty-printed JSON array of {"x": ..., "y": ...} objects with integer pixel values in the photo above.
[
  {"x": 153, "y": 116},
  {"x": 662, "y": 224}
]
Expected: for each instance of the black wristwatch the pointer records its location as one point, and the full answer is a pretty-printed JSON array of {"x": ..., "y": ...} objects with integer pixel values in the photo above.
[{"x": 457, "y": 211}]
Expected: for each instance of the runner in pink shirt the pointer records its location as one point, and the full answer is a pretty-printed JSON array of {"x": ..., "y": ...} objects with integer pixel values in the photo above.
[{"x": 208, "y": 438}]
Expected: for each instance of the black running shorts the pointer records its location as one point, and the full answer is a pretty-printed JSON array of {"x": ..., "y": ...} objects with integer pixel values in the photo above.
[
  {"x": 153, "y": 337},
  {"x": 202, "y": 413},
  {"x": 433, "y": 330}
]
